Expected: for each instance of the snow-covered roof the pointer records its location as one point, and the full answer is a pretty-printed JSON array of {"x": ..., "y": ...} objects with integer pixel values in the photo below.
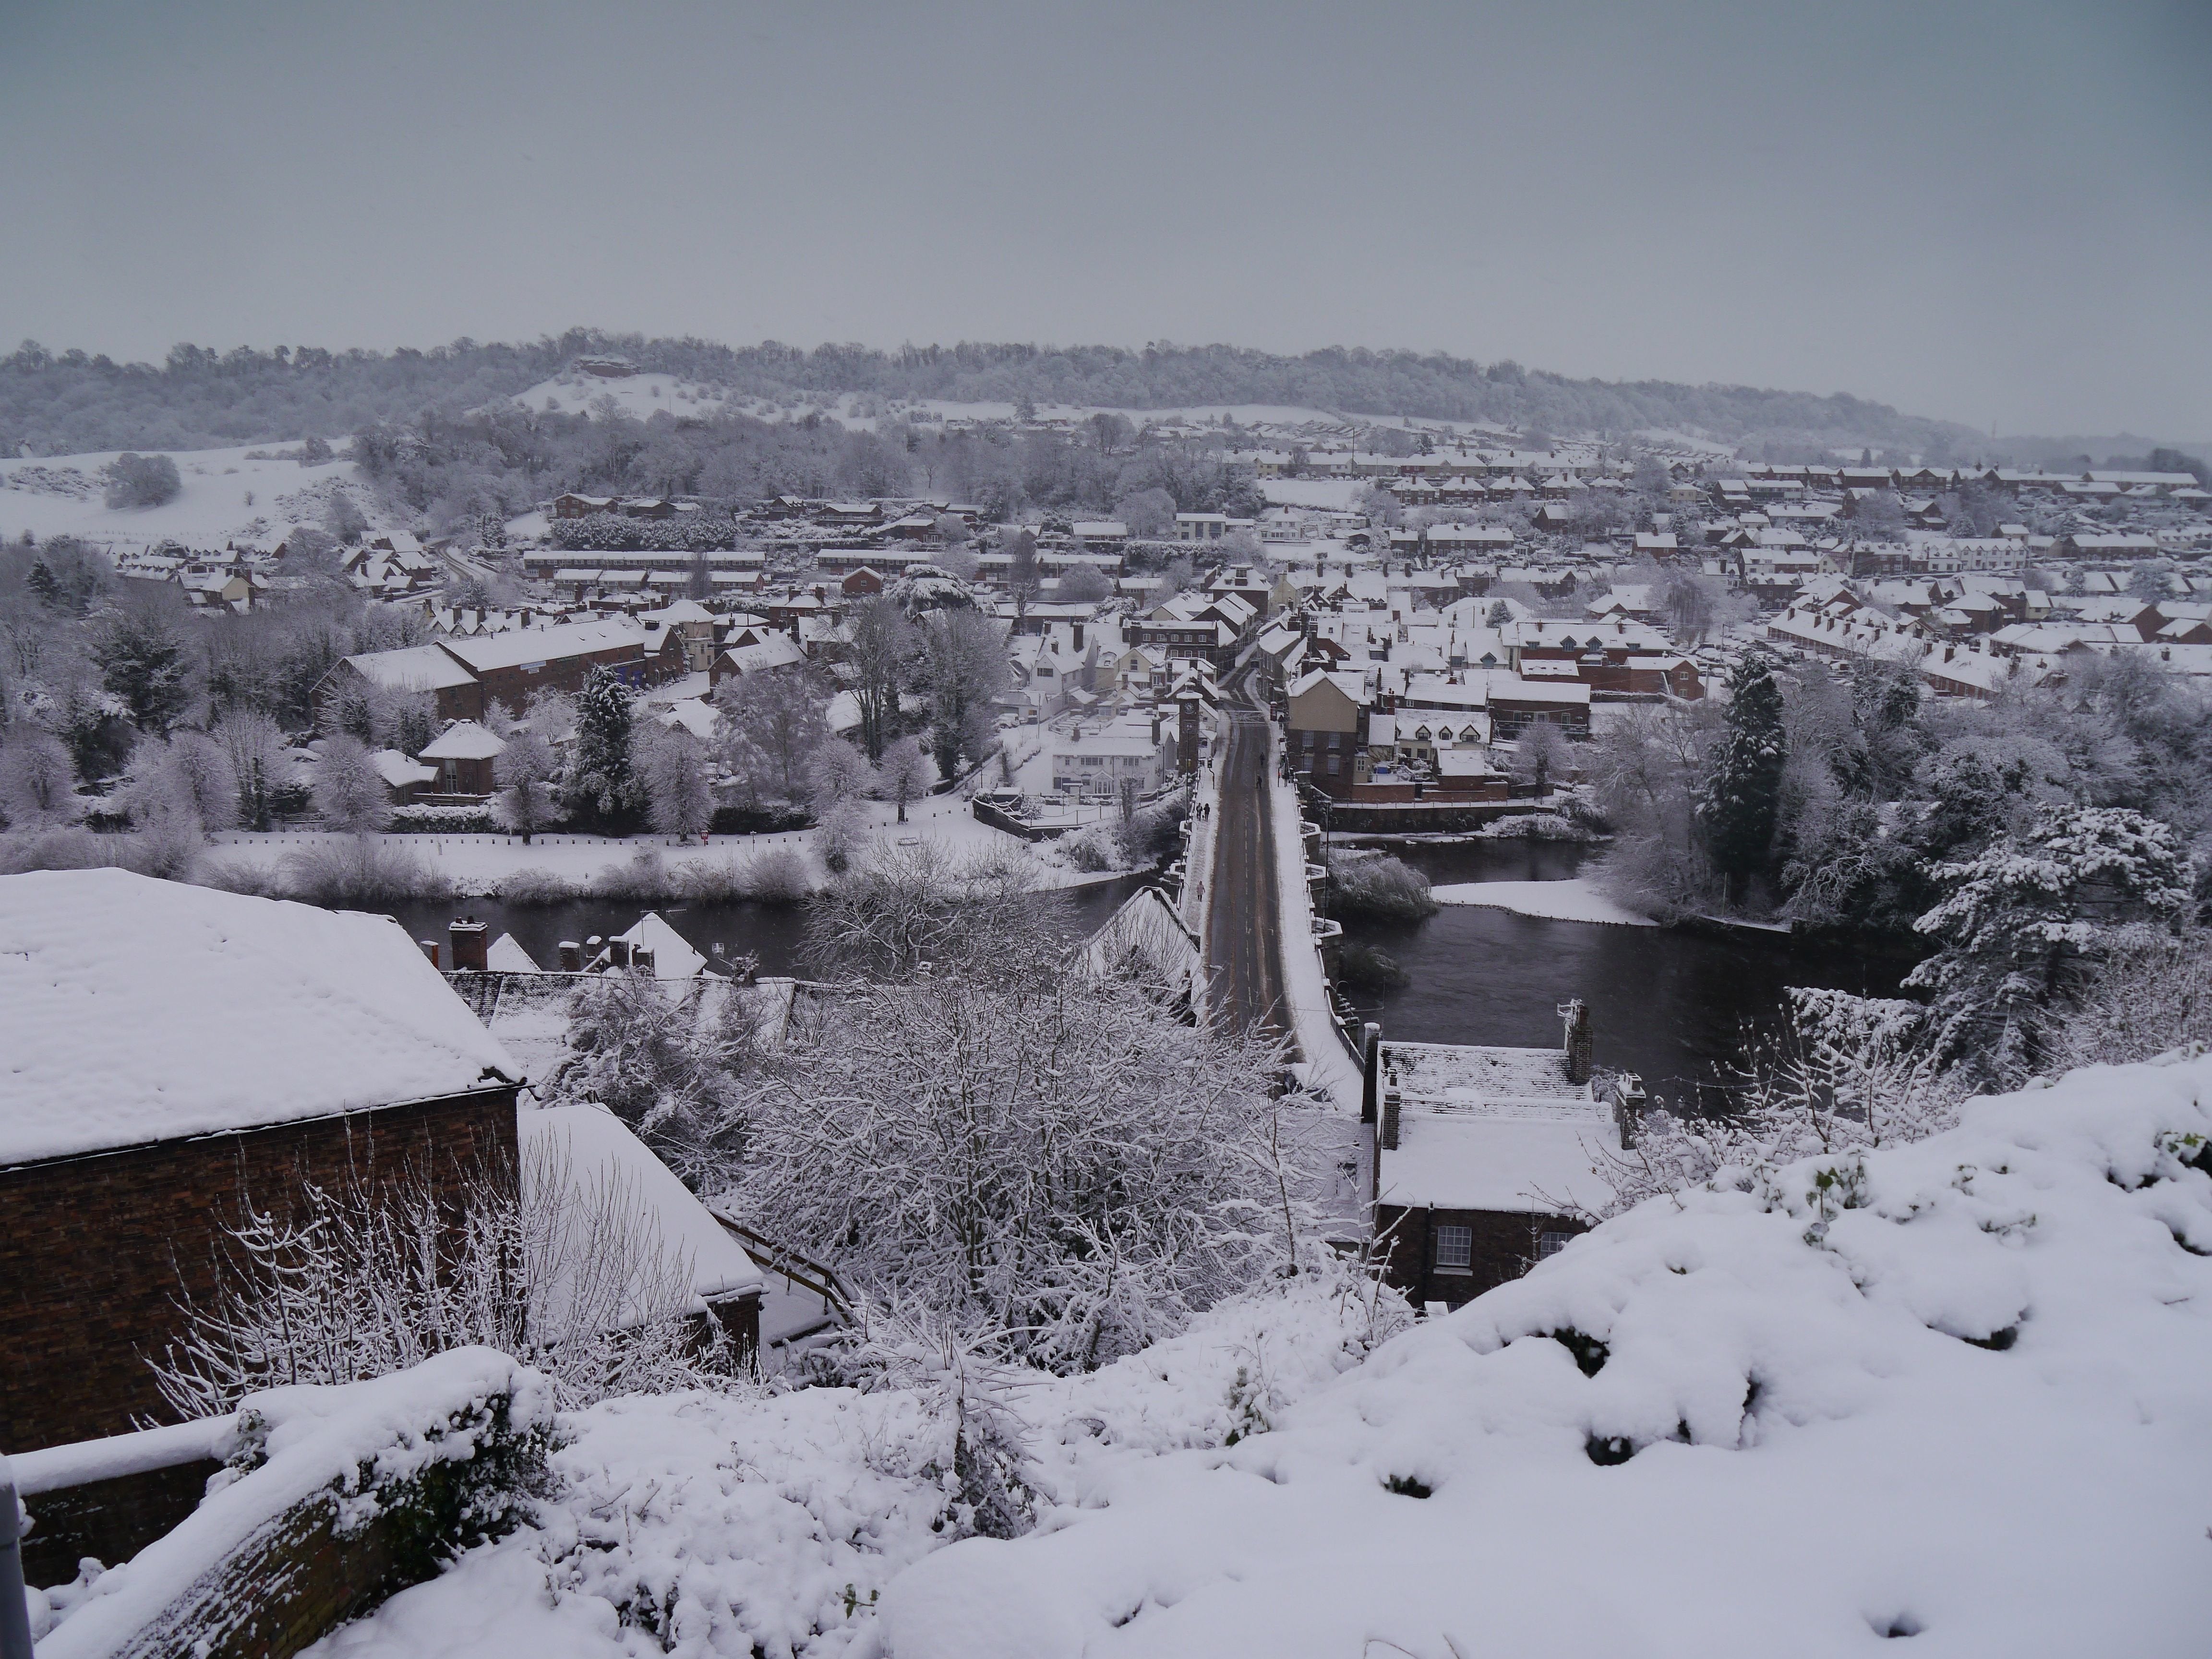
[
  {"x": 594, "y": 1150},
  {"x": 398, "y": 772},
  {"x": 542, "y": 644},
  {"x": 412, "y": 668},
  {"x": 463, "y": 740},
  {"x": 134, "y": 1010},
  {"x": 1458, "y": 1162},
  {"x": 673, "y": 955},
  {"x": 508, "y": 956}
]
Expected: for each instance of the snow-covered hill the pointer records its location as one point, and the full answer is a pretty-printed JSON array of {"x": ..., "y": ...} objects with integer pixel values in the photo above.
[
  {"x": 228, "y": 496},
  {"x": 1955, "y": 1392}
]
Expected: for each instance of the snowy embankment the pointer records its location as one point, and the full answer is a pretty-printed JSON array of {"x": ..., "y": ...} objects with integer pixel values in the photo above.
[
  {"x": 474, "y": 865},
  {"x": 1576, "y": 899},
  {"x": 1955, "y": 1390}
]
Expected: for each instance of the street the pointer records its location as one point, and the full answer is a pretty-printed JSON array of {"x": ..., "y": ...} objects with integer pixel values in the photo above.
[{"x": 1244, "y": 919}]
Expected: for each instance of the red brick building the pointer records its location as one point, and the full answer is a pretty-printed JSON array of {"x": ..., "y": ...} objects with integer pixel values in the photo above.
[{"x": 174, "y": 1052}]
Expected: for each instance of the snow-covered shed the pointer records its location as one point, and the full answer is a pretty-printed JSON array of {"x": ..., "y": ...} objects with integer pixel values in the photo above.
[
  {"x": 172, "y": 1053},
  {"x": 1482, "y": 1160}
]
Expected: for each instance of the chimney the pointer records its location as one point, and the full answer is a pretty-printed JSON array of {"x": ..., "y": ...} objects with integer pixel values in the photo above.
[
  {"x": 1078, "y": 636},
  {"x": 1390, "y": 1103},
  {"x": 1370, "y": 1067},
  {"x": 1578, "y": 1043},
  {"x": 618, "y": 953},
  {"x": 571, "y": 957},
  {"x": 430, "y": 950},
  {"x": 641, "y": 959},
  {"x": 471, "y": 944}
]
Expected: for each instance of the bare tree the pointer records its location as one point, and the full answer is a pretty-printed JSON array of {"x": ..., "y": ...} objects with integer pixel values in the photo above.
[
  {"x": 963, "y": 667},
  {"x": 255, "y": 749},
  {"x": 906, "y": 774},
  {"x": 883, "y": 642},
  {"x": 783, "y": 712}
]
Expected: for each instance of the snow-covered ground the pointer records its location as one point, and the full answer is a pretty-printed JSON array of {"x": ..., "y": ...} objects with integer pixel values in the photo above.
[
  {"x": 1578, "y": 898},
  {"x": 226, "y": 497},
  {"x": 476, "y": 864},
  {"x": 1952, "y": 1392},
  {"x": 744, "y": 1525}
]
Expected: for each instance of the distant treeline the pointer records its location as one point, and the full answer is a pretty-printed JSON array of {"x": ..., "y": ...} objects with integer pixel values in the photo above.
[{"x": 71, "y": 403}]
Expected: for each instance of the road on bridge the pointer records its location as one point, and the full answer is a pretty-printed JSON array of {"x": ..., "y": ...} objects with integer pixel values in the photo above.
[{"x": 1243, "y": 921}]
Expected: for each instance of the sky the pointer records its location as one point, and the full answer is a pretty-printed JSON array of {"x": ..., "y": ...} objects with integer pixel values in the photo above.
[{"x": 1996, "y": 213}]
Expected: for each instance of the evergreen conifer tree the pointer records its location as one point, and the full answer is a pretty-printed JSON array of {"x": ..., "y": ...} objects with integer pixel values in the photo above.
[
  {"x": 601, "y": 781},
  {"x": 1743, "y": 791}
]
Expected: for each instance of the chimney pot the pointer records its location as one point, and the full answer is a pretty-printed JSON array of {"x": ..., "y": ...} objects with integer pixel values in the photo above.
[
  {"x": 430, "y": 950},
  {"x": 571, "y": 957}
]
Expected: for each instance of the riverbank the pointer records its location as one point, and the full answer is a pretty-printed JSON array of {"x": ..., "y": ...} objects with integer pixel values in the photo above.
[{"x": 645, "y": 867}]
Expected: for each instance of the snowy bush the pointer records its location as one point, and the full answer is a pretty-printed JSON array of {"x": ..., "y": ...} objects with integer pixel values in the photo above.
[
  {"x": 1064, "y": 1171},
  {"x": 570, "y": 1273},
  {"x": 447, "y": 821},
  {"x": 357, "y": 870},
  {"x": 1368, "y": 885},
  {"x": 778, "y": 875},
  {"x": 536, "y": 886}
]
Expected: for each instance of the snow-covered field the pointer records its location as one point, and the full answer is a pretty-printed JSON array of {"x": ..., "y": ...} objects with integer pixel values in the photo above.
[
  {"x": 226, "y": 497},
  {"x": 1327, "y": 495},
  {"x": 1953, "y": 1392},
  {"x": 1579, "y": 898}
]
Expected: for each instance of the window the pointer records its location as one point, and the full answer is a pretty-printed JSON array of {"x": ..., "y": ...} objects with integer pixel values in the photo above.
[
  {"x": 1551, "y": 1244},
  {"x": 1455, "y": 1249}
]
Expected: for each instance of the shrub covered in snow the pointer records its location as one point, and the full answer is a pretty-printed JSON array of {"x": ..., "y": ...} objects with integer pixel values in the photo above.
[{"x": 1367, "y": 886}]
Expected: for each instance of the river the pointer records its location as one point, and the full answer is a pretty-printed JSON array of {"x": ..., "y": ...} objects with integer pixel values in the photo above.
[
  {"x": 774, "y": 933},
  {"x": 1668, "y": 1004}
]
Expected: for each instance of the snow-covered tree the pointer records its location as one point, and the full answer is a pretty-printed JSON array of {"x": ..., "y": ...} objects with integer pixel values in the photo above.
[
  {"x": 782, "y": 713},
  {"x": 1541, "y": 756},
  {"x": 963, "y": 667},
  {"x": 350, "y": 793},
  {"x": 1838, "y": 1073},
  {"x": 524, "y": 770},
  {"x": 144, "y": 659},
  {"x": 836, "y": 773},
  {"x": 674, "y": 769},
  {"x": 36, "y": 779},
  {"x": 1742, "y": 792},
  {"x": 2018, "y": 927},
  {"x": 905, "y": 775},
  {"x": 255, "y": 749},
  {"x": 2151, "y": 994},
  {"x": 601, "y": 781}
]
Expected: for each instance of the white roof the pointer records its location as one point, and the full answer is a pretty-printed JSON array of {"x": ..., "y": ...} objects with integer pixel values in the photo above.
[
  {"x": 604, "y": 1159},
  {"x": 134, "y": 1010},
  {"x": 463, "y": 740},
  {"x": 508, "y": 956}
]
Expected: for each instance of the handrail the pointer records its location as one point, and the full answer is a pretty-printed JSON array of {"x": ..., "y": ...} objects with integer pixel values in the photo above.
[{"x": 799, "y": 1270}]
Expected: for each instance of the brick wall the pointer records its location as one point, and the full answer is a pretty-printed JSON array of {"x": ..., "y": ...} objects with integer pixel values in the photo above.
[
  {"x": 1505, "y": 1245},
  {"x": 95, "y": 1249}
]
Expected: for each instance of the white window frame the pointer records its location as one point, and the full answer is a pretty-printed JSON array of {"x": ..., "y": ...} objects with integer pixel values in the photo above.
[{"x": 1450, "y": 1240}]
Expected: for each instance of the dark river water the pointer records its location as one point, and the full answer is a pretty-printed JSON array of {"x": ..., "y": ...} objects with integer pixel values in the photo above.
[
  {"x": 776, "y": 933},
  {"x": 1664, "y": 1002}
]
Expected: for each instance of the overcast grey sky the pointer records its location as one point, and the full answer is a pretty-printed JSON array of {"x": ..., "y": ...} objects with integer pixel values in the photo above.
[{"x": 1990, "y": 212}]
